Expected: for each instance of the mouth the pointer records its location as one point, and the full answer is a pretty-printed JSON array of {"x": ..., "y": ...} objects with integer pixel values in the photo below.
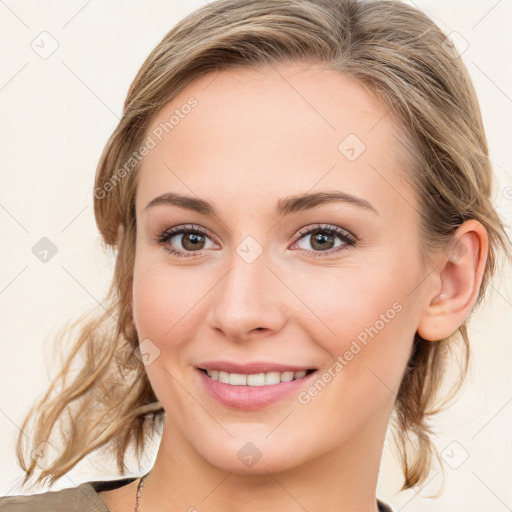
[
  {"x": 253, "y": 391},
  {"x": 256, "y": 379}
]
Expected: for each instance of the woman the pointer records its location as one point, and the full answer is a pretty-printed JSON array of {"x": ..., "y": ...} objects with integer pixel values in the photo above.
[{"x": 299, "y": 197}]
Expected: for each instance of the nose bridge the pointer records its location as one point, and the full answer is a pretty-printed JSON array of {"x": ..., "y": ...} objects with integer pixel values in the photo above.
[{"x": 248, "y": 297}]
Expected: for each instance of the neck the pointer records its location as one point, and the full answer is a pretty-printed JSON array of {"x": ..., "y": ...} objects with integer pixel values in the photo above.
[{"x": 343, "y": 479}]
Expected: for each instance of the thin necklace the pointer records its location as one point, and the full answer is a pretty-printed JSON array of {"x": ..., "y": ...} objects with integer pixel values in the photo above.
[
  {"x": 141, "y": 485},
  {"x": 139, "y": 489}
]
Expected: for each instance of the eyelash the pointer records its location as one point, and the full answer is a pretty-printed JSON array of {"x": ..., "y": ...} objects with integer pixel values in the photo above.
[{"x": 348, "y": 239}]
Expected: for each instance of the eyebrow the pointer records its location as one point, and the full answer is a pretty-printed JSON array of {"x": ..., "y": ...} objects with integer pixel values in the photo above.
[{"x": 285, "y": 206}]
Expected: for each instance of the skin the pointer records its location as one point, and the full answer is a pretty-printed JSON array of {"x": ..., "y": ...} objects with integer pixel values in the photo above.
[{"x": 257, "y": 136}]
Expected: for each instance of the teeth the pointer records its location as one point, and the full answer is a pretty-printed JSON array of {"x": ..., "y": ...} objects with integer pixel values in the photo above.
[{"x": 255, "y": 379}]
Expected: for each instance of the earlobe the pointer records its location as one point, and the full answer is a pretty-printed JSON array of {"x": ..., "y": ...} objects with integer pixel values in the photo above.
[{"x": 459, "y": 273}]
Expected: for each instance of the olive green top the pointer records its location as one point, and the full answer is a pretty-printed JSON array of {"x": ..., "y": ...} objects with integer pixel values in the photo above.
[{"x": 83, "y": 498}]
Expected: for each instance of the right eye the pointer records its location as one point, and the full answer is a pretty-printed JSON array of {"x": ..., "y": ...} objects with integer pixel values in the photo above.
[{"x": 191, "y": 238}]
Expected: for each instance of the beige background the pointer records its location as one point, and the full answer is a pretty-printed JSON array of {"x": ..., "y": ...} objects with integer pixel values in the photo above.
[{"x": 57, "y": 113}]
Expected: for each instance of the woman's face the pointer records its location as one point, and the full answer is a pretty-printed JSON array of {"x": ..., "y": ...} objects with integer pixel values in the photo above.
[{"x": 270, "y": 277}]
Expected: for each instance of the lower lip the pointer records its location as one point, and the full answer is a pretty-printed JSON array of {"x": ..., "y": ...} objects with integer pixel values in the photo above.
[{"x": 252, "y": 397}]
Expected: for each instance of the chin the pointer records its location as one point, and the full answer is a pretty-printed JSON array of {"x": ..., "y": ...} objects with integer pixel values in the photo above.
[{"x": 252, "y": 455}]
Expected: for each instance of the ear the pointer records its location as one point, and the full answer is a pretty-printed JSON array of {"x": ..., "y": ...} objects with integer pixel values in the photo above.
[{"x": 458, "y": 276}]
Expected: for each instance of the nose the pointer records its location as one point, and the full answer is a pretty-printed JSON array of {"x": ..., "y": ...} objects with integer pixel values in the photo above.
[{"x": 250, "y": 300}]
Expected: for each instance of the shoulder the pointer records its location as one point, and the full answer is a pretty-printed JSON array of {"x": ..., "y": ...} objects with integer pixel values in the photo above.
[{"x": 82, "y": 498}]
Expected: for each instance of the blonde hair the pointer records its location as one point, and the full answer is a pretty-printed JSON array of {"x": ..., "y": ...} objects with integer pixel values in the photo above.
[{"x": 392, "y": 49}]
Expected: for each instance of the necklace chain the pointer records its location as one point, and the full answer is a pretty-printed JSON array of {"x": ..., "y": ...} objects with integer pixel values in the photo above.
[{"x": 139, "y": 490}]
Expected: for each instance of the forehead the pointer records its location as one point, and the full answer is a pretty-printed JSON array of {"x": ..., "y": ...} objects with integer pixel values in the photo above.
[{"x": 280, "y": 130}]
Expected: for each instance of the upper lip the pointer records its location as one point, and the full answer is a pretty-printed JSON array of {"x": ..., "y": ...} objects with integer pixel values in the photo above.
[{"x": 252, "y": 367}]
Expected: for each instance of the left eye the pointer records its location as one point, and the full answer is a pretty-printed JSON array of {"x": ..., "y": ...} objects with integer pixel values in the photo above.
[{"x": 323, "y": 239}]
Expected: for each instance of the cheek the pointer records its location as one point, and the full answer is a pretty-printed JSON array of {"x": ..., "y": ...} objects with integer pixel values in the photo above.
[
  {"x": 163, "y": 310},
  {"x": 364, "y": 317},
  {"x": 151, "y": 297},
  {"x": 163, "y": 301},
  {"x": 369, "y": 341},
  {"x": 346, "y": 300}
]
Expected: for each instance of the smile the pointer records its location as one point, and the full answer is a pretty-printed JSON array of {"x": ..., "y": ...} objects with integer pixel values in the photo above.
[
  {"x": 255, "y": 379},
  {"x": 255, "y": 390}
]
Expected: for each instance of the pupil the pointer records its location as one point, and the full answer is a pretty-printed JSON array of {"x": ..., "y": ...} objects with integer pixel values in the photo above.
[
  {"x": 320, "y": 240},
  {"x": 192, "y": 240}
]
